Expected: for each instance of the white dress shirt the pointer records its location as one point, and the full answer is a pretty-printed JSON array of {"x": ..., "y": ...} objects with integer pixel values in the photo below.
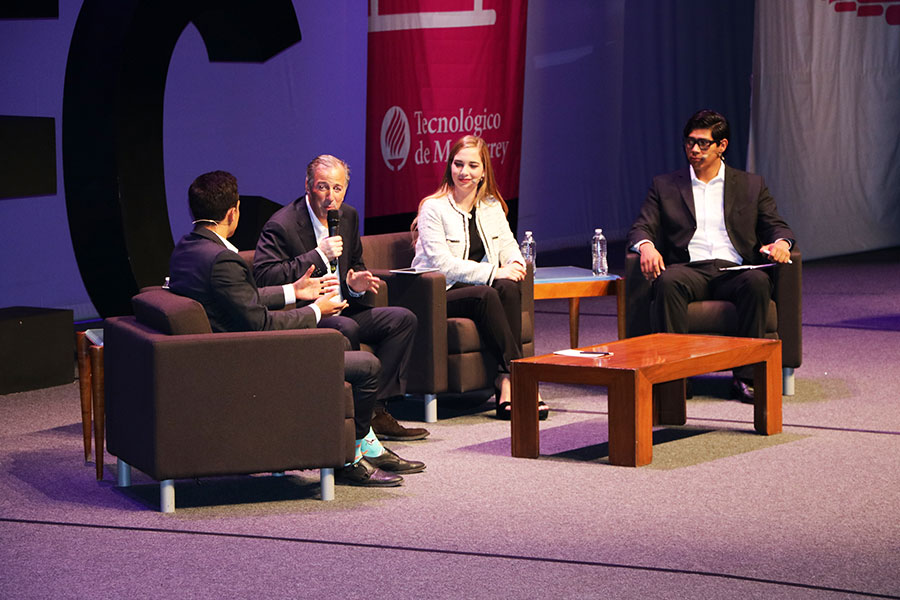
[
  {"x": 321, "y": 233},
  {"x": 711, "y": 238}
]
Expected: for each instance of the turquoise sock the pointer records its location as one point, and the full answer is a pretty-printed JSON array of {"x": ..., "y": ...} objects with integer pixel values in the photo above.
[
  {"x": 370, "y": 445},
  {"x": 357, "y": 454}
]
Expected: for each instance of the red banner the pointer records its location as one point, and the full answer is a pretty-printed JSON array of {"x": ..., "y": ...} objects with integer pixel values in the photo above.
[{"x": 438, "y": 70}]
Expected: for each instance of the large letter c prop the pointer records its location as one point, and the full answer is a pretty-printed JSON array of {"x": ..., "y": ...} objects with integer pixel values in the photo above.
[{"x": 112, "y": 126}]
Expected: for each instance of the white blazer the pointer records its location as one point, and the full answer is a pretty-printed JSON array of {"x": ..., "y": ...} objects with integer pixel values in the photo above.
[{"x": 443, "y": 241}]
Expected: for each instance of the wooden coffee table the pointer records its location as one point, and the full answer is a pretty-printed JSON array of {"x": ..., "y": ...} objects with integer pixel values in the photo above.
[{"x": 636, "y": 367}]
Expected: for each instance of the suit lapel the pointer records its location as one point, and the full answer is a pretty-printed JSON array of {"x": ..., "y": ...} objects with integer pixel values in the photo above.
[
  {"x": 731, "y": 195},
  {"x": 344, "y": 230},
  {"x": 307, "y": 233},
  {"x": 683, "y": 182}
]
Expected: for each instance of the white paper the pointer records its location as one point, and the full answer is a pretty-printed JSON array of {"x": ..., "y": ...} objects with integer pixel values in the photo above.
[
  {"x": 413, "y": 270},
  {"x": 746, "y": 267},
  {"x": 584, "y": 353}
]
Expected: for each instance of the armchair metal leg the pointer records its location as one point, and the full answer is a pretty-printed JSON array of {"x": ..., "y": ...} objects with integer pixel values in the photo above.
[
  {"x": 430, "y": 408},
  {"x": 326, "y": 477},
  {"x": 123, "y": 473},
  {"x": 167, "y": 496},
  {"x": 787, "y": 381}
]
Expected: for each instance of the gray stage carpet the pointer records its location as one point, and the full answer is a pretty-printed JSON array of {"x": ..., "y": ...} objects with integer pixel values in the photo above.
[{"x": 721, "y": 512}]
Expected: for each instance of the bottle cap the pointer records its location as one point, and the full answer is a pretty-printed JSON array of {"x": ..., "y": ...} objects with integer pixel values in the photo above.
[
  {"x": 527, "y": 233},
  {"x": 598, "y": 230}
]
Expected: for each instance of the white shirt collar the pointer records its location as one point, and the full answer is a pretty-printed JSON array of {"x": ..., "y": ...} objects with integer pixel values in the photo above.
[
  {"x": 720, "y": 174},
  {"x": 320, "y": 230},
  {"x": 228, "y": 244}
]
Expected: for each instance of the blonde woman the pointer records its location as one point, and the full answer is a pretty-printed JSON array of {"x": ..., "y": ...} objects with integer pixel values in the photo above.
[{"x": 463, "y": 232}]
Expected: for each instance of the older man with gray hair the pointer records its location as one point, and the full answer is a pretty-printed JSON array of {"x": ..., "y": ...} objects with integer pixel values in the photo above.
[{"x": 299, "y": 236}]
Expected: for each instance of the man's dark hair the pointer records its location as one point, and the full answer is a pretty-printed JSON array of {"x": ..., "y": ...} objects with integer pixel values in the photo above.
[
  {"x": 709, "y": 119},
  {"x": 212, "y": 194}
]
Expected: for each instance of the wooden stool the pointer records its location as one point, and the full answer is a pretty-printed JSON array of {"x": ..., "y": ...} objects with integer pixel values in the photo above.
[{"x": 93, "y": 407}]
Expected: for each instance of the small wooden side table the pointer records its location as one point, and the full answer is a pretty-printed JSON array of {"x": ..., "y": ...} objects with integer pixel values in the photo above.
[
  {"x": 576, "y": 283},
  {"x": 90, "y": 383}
]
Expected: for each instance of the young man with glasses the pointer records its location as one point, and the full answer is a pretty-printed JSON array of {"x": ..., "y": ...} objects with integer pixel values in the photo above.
[{"x": 701, "y": 219}]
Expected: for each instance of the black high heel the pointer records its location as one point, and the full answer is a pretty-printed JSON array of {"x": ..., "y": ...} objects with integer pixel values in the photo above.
[{"x": 504, "y": 409}]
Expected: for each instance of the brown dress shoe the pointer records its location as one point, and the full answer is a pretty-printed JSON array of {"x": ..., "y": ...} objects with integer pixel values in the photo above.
[
  {"x": 389, "y": 461},
  {"x": 363, "y": 473},
  {"x": 386, "y": 427}
]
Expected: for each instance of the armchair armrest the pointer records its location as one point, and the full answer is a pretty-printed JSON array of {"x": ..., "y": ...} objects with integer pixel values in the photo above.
[
  {"x": 788, "y": 296},
  {"x": 637, "y": 295},
  {"x": 382, "y": 296},
  {"x": 426, "y": 296},
  {"x": 528, "y": 289}
]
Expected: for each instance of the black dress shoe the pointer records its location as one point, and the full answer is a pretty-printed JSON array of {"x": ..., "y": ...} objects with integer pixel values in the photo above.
[
  {"x": 363, "y": 473},
  {"x": 386, "y": 427},
  {"x": 741, "y": 390},
  {"x": 389, "y": 461}
]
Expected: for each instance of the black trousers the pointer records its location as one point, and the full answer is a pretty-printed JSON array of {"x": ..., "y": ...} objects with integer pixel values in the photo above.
[
  {"x": 680, "y": 284},
  {"x": 390, "y": 331},
  {"x": 497, "y": 312},
  {"x": 361, "y": 371}
]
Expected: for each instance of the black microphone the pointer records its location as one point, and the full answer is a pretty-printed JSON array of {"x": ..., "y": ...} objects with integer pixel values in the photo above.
[{"x": 334, "y": 220}]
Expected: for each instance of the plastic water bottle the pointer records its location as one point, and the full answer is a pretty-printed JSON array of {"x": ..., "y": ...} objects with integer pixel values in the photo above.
[
  {"x": 598, "y": 253},
  {"x": 528, "y": 248}
]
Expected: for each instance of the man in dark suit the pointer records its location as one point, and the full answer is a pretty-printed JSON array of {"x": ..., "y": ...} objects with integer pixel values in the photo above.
[
  {"x": 703, "y": 218},
  {"x": 206, "y": 267},
  {"x": 297, "y": 237}
]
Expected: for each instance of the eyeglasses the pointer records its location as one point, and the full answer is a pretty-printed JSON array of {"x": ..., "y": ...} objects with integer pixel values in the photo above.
[{"x": 704, "y": 144}]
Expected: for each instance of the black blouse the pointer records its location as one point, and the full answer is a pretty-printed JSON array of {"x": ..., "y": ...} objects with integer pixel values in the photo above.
[{"x": 476, "y": 246}]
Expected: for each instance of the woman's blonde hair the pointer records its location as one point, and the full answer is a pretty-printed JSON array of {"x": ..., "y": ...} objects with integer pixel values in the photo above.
[{"x": 486, "y": 187}]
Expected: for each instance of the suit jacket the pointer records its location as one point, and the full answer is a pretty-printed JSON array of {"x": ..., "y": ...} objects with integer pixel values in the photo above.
[
  {"x": 287, "y": 247},
  {"x": 668, "y": 217},
  {"x": 202, "y": 268}
]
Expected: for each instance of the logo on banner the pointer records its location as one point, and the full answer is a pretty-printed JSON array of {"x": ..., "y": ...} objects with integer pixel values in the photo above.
[
  {"x": 395, "y": 138},
  {"x": 872, "y": 8}
]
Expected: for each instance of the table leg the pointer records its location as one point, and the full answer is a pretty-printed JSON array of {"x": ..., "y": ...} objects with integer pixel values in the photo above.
[
  {"x": 669, "y": 403},
  {"x": 767, "y": 394},
  {"x": 574, "y": 314},
  {"x": 524, "y": 434},
  {"x": 630, "y": 421},
  {"x": 97, "y": 389},
  {"x": 620, "y": 306},
  {"x": 84, "y": 388}
]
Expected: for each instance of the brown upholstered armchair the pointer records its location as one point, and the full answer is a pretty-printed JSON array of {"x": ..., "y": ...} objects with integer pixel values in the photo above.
[
  {"x": 183, "y": 402},
  {"x": 719, "y": 317},
  {"x": 447, "y": 353}
]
